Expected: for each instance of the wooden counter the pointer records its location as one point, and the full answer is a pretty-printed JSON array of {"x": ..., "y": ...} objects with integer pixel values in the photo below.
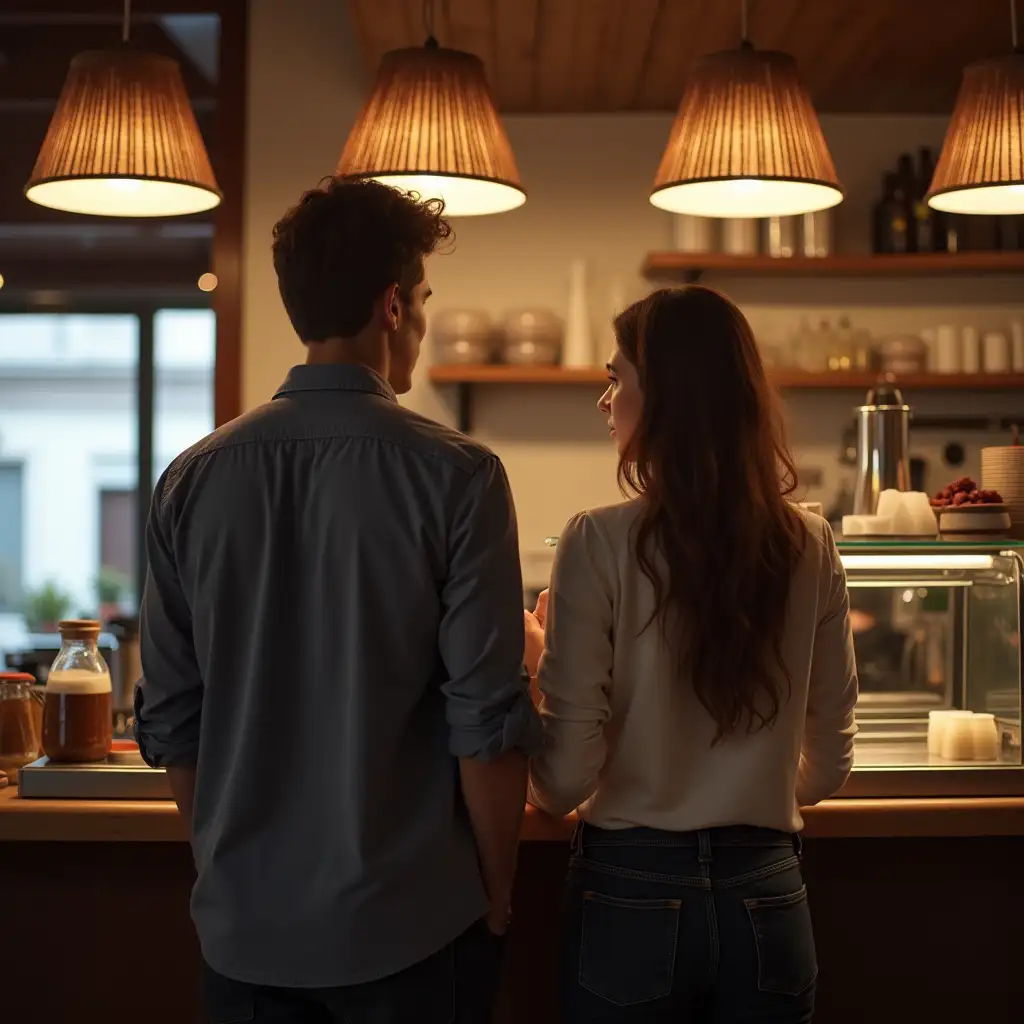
[
  {"x": 157, "y": 821},
  {"x": 918, "y": 910}
]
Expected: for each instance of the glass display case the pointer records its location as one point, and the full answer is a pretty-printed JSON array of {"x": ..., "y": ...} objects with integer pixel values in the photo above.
[{"x": 937, "y": 634}]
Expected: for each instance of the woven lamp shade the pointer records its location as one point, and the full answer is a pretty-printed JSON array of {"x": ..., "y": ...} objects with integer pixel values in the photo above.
[
  {"x": 746, "y": 142},
  {"x": 123, "y": 141},
  {"x": 430, "y": 126},
  {"x": 981, "y": 166}
]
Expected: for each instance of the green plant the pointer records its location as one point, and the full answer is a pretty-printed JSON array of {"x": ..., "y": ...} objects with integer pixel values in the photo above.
[
  {"x": 45, "y": 607},
  {"x": 111, "y": 585}
]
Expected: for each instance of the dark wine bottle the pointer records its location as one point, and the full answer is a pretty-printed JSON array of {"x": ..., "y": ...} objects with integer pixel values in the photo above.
[
  {"x": 891, "y": 228},
  {"x": 907, "y": 177},
  {"x": 929, "y": 224},
  {"x": 1009, "y": 233},
  {"x": 978, "y": 233}
]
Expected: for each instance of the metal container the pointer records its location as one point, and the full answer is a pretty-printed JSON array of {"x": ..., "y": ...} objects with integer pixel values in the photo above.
[
  {"x": 693, "y": 234},
  {"x": 904, "y": 353},
  {"x": 739, "y": 236},
  {"x": 817, "y": 232},
  {"x": 461, "y": 336},
  {"x": 781, "y": 233},
  {"x": 883, "y": 447},
  {"x": 126, "y": 663},
  {"x": 532, "y": 337}
]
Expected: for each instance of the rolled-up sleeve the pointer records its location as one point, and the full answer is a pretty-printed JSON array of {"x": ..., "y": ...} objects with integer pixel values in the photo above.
[
  {"x": 169, "y": 697},
  {"x": 576, "y": 671},
  {"x": 826, "y": 754},
  {"x": 488, "y": 705}
]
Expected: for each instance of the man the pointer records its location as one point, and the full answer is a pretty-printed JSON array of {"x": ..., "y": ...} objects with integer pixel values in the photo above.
[{"x": 332, "y": 638}]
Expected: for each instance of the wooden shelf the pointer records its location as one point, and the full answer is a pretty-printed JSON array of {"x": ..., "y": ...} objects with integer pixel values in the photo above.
[
  {"x": 466, "y": 377},
  {"x": 795, "y": 379},
  {"x": 688, "y": 266},
  {"x": 500, "y": 373}
]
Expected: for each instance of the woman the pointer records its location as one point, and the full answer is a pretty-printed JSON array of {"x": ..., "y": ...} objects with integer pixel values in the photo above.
[{"x": 698, "y": 687}]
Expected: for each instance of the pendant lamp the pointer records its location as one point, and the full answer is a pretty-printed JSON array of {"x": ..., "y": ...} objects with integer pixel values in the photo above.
[
  {"x": 981, "y": 166},
  {"x": 123, "y": 141},
  {"x": 746, "y": 141},
  {"x": 431, "y": 126}
]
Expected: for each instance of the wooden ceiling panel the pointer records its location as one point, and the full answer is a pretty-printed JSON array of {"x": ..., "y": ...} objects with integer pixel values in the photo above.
[
  {"x": 555, "y": 42},
  {"x": 681, "y": 32},
  {"x": 625, "y": 55},
  {"x": 548, "y": 56},
  {"x": 513, "y": 51}
]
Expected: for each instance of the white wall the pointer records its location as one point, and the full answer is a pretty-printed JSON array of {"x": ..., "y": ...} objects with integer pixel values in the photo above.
[{"x": 587, "y": 179}]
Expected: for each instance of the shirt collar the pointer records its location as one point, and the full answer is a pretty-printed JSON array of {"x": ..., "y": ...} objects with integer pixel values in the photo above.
[{"x": 336, "y": 377}]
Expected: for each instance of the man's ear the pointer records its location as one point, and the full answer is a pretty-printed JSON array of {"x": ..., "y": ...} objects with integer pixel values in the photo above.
[
  {"x": 391, "y": 306},
  {"x": 388, "y": 307}
]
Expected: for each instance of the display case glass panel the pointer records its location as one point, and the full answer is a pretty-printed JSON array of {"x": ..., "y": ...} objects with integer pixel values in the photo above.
[{"x": 937, "y": 637}]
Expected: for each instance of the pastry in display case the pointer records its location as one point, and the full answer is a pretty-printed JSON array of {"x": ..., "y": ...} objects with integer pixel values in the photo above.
[{"x": 936, "y": 630}]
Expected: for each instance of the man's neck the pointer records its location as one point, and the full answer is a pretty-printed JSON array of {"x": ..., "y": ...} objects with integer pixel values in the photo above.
[{"x": 357, "y": 351}]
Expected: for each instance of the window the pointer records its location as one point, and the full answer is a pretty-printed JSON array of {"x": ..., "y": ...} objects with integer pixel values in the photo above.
[
  {"x": 11, "y": 503},
  {"x": 185, "y": 343},
  {"x": 115, "y": 580},
  {"x": 73, "y": 406}
]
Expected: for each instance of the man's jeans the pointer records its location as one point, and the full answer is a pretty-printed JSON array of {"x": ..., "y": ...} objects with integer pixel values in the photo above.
[{"x": 457, "y": 985}]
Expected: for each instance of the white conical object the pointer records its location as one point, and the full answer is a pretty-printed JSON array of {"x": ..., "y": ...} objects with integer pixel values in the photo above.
[
  {"x": 578, "y": 350},
  {"x": 608, "y": 342}
]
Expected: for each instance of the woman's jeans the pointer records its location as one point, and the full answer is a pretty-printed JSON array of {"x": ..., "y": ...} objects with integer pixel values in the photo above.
[{"x": 708, "y": 927}]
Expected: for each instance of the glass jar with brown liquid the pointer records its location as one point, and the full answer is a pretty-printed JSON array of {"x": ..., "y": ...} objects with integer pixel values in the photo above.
[
  {"x": 19, "y": 735},
  {"x": 78, "y": 719}
]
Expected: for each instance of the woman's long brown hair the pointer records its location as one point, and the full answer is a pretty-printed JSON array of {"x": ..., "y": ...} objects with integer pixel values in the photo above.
[{"x": 716, "y": 536}]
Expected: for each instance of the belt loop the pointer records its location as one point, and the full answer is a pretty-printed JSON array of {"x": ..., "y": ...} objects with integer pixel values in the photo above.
[
  {"x": 704, "y": 846},
  {"x": 798, "y": 846},
  {"x": 576, "y": 846}
]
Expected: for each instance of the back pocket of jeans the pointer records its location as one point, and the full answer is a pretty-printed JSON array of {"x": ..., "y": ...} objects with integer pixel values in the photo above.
[
  {"x": 628, "y": 948},
  {"x": 787, "y": 963}
]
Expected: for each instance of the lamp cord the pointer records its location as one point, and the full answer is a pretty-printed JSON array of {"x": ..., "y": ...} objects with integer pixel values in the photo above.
[
  {"x": 745, "y": 22},
  {"x": 1013, "y": 26},
  {"x": 428, "y": 22},
  {"x": 126, "y": 20}
]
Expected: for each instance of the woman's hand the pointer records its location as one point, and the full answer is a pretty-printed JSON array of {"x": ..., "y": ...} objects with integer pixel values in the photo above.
[{"x": 535, "y": 622}]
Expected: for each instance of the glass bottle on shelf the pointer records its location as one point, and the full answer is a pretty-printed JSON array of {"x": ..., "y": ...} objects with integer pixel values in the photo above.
[
  {"x": 891, "y": 229},
  {"x": 929, "y": 231},
  {"x": 78, "y": 721},
  {"x": 824, "y": 339},
  {"x": 1009, "y": 233},
  {"x": 806, "y": 354},
  {"x": 866, "y": 357},
  {"x": 909, "y": 185},
  {"x": 840, "y": 349}
]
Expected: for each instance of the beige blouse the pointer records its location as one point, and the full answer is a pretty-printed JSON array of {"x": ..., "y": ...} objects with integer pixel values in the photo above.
[{"x": 628, "y": 742}]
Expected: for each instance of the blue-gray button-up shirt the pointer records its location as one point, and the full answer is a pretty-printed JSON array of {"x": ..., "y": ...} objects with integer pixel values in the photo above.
[{"x": 333, "y": 615}]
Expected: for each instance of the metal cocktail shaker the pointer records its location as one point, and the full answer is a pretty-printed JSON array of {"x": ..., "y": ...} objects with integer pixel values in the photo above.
[{"x": 883, "y": 447}]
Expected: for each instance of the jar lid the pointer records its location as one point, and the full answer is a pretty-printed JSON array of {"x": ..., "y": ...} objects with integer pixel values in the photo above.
[
  {"x": 16, "y": 677},
  {"x": 79, "y": 629}
]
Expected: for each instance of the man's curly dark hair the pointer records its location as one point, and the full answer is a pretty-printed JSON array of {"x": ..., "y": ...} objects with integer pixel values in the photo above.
[{"x": 343, "y": 244}]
